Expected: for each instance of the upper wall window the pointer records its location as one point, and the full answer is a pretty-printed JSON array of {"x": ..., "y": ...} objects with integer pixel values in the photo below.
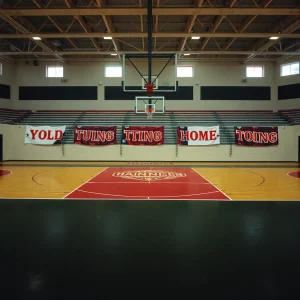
[
  {"x": 289, "y": 69},
  {"x": 255, "y": 71},
  {"x": 113, "y": 71},
  {"x": 0, "y": 68},
  {"x": 54, "y": 71},
  {"x": 185, "y": 71}
]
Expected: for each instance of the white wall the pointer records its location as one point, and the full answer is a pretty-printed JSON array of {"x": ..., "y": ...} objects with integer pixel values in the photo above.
[
  {"x": 8, "y": 77},
  {"x": 290, "y": 103},
  {"x": 15, "y": 149},
  {"x": 212, "y": 74}
]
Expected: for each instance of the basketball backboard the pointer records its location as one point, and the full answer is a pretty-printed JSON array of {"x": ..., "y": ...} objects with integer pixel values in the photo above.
[
  {"x": 136, "y": 73},
  {"x": 142, "y": 102}
]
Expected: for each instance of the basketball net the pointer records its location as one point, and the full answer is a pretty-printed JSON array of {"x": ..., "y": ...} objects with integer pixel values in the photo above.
[{"x": 150, "y": 110}]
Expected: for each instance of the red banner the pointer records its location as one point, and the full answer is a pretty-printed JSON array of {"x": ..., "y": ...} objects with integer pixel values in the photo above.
[
  {"x": 95, "y": 135},
  {"x": 256, "y": 136},
  {"x": 142, "y": 135}
]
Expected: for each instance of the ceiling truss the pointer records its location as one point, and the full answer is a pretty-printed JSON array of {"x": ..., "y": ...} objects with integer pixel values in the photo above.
[{"x": 228, "y": 29}]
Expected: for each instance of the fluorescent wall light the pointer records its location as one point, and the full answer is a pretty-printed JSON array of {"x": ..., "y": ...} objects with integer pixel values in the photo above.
[
  {"x": 195, "y": 37},
  {"x": 36, "y": 38},
  {"x": 107, "y": 37},
  {"x": 274, "y": 38}
]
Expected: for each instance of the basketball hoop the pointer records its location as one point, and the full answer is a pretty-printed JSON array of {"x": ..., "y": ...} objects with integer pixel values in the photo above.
[
  {"x": 149, "y": 89},
  {"x": 149, "y": 109}
]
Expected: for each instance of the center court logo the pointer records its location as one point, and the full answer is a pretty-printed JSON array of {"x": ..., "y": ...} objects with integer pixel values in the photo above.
[{"x": 148, "y": 175}]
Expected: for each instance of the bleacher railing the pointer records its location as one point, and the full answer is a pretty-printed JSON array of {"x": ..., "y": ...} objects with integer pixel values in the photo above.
[
  {"x": 174, "y": 126},
  {"x": 224, "y": 129}
]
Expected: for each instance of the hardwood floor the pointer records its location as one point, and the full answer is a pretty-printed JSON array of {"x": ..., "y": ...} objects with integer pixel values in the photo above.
[{"x": 239, "y": 181}]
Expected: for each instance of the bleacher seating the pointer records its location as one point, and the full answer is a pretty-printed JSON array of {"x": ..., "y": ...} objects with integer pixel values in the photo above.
[
  {"x": 197, "y": 118},
  {"x": 170, "y": 120},
  {"x": 9, "y": 116},
  {"x": 55, "y": 118},
  {"x": 292, "y": 116},
  {"x": 229, "y": 119}
]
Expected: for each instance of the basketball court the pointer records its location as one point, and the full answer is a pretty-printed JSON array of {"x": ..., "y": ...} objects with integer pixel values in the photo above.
[
  {"x": 150, "y": 181},
  {"x": 140, "y": 148}
]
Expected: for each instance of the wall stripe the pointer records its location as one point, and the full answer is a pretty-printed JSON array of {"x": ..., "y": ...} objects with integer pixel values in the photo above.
[
  {"x": 4, "y": 91},
  {"x": 58, "y": 93},
  {"x": 117, "y": 93},
  {"x": 261, "y": 93},
  {"x": 290, "y": 91}
]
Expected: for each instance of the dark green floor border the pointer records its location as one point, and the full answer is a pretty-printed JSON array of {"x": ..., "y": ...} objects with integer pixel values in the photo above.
[{"x": 226, "y": 249}]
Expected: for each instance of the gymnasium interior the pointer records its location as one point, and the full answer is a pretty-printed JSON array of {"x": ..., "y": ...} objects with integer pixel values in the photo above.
[{"x": 149, "y": 144}]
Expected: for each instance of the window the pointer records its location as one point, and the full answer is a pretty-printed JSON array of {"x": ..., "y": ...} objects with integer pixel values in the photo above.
[
  {"x": 289, "y": 69},
  {"x": 255, "y": 71},
  {"x": 113, "y": 71},
  {"x": 185, "y": 71},
  {"x": 0, "y": 68},
  {"x": 54, "y": 71}
]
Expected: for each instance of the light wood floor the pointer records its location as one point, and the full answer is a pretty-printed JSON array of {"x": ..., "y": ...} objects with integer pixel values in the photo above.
[{"x": 240, "y": 181}]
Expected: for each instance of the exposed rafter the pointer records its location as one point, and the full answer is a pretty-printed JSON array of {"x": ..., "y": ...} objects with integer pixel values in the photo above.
[
  {"x": 21, "y": 28},
  {"x": 142, "y": 25},
  {"x": 277, "y": 53},
  {"x": 70, "y": 4},
  {"x": 235, "y": 27},
  {"x": 155, "y": 34},
  {"x": 109, "y": 26},
  {"x": 54, "y": 21},
  {"x": 180, "y": 11},
  {"x": 247, "y": 22},
  {"x": 262, "y": 46},
  {"x": 189, "y": 25},
  {"x": 216, "y": 25}
]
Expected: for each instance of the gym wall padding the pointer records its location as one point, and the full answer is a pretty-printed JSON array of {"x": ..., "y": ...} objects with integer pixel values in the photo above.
[
  {"x": 58, "y": 93},
  {"x": 117, "y": 93},
  {"x": 4, "y": 91},
  {"x": 255, "y": 93},
  {"x": 290, "y": 91}
]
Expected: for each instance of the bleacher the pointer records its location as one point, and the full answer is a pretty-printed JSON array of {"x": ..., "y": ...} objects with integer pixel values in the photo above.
[
  {"x": 55, "y": 118},
  {"x": 103, "y": 118},
  {"x": 197, "y": 118},
  {"x": 170, "y": 120},
  {"x": 10, "y": 116},
  {"x": 229, "y": 119},
  {"x": 293, "y": 116}
]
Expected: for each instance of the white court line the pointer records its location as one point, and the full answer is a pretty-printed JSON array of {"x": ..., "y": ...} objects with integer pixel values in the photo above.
[
  {"x": 22, "y": 198},
  {"x": 292, "y": 175},
  {"x": 135, "y": 182},
  {"x": 85, "y": 183},
  {"x": 130, "y": 196},
  {"x": 10, "y": 172},
  {"x": 211, "y": 184}
]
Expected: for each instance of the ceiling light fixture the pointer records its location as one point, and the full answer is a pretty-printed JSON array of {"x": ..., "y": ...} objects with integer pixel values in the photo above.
[
  {"x": 36, "y": 38},
  {"x": 113, "y": 54},
  {"x": 107, "y": 37},
  {"x": 195, "y": 37},
  {"x": 186, "y": 54},
  {"x": 274, "y": 38}
]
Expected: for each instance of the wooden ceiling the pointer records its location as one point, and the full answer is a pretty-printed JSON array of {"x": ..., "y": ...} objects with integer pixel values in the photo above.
[{"x": 95, "y": 29}]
